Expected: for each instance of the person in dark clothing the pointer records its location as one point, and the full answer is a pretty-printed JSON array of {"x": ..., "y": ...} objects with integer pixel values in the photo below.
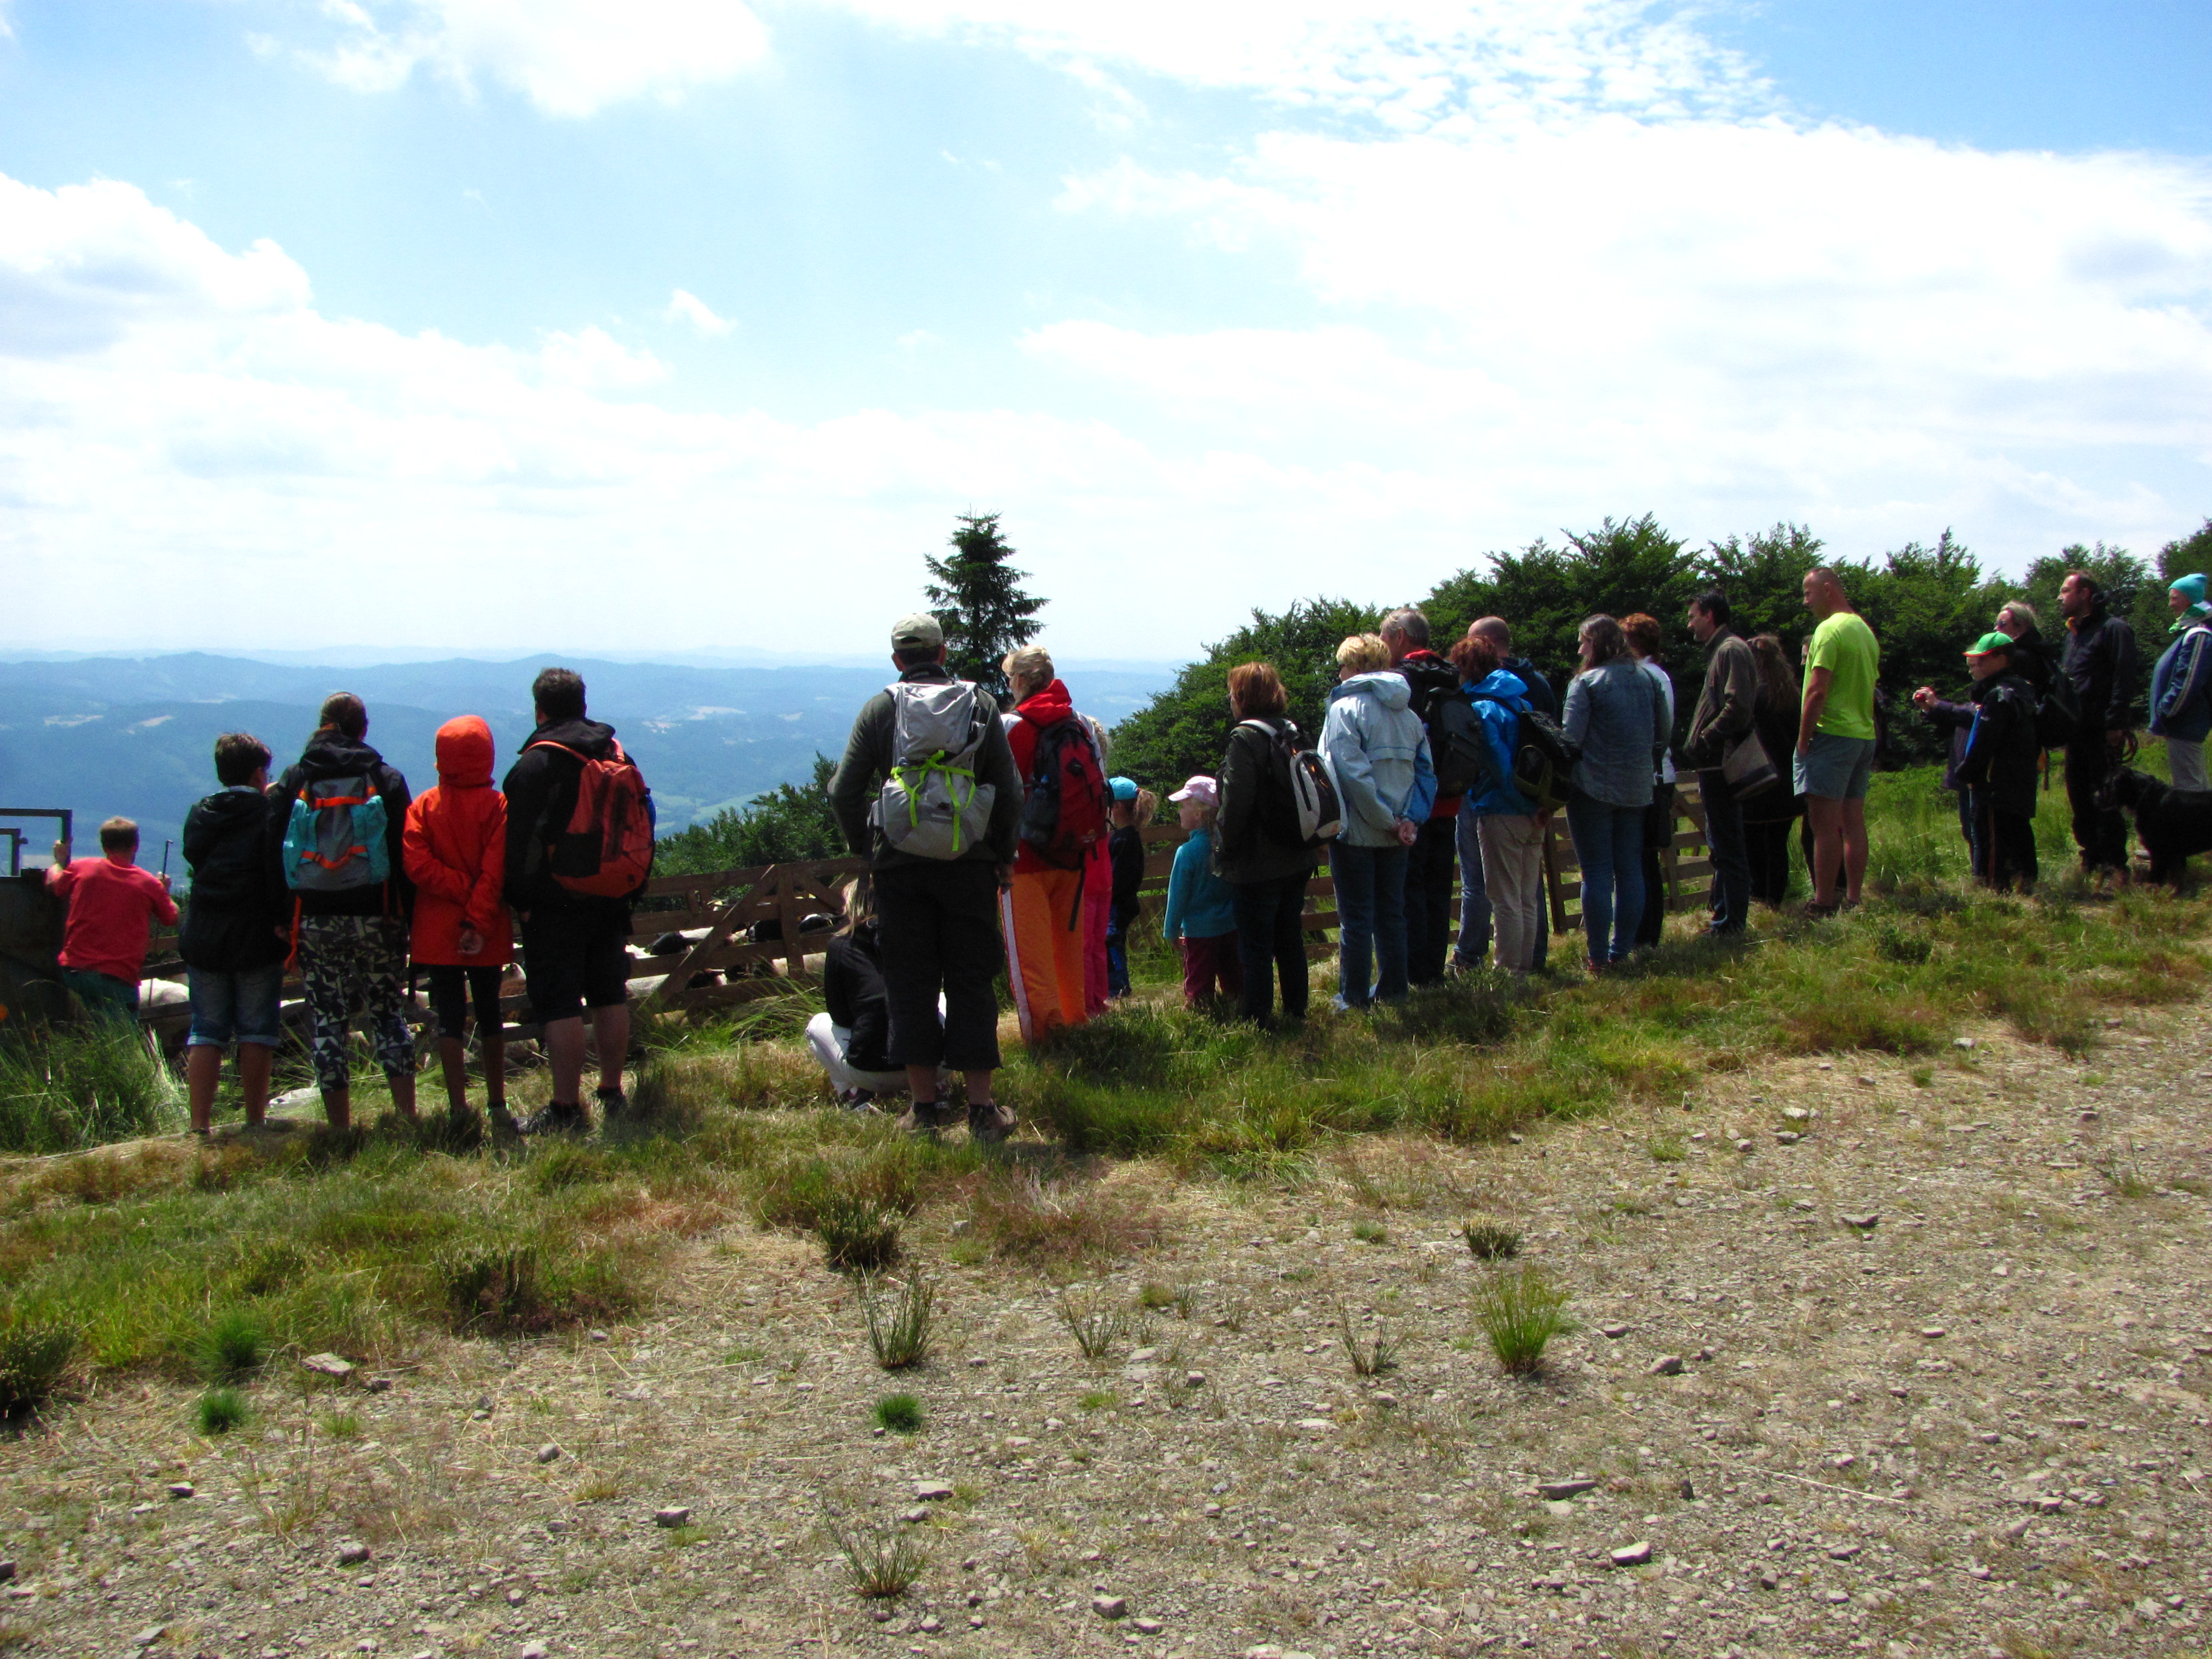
[
  {"x": 936, "y": 908},
  {"x": 851, "y": 1036},
  {"x": 350, "y": 931},
  {"x": 1269, "y": 872},
  {"x": 1725, "y": 715},
  {"x": 1999, "y": 766},
  {"x": 1430, "y": 860},
  {"x": 1770, "y": 818},
  {"x": 574, "y": 944},
  {"x": 2100, "y": 660},
  {"x": 1125, "y": 851},
  {"x": 1958, "y": 719},
  {"x": 1474, "y": 914},
  {"x": 2032, "y": 657},
  {"x": 233, "y": 939}
]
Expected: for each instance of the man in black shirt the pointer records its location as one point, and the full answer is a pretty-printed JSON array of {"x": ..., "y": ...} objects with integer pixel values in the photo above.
[{"x": 2100, "y": 659}]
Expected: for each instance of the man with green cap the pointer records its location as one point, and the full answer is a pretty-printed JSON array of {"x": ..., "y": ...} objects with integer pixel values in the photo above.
[
  {"x": 2181, "y": 684},
  {"x": 1999, "y": 767}
]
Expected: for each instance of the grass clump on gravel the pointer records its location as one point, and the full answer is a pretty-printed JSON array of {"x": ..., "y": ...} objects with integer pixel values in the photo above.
[
  {"x": 1490, "y": 1240},
  {"x": 220, "y": 1410},
  {"x": 1094, "y": 1321},
  {"x": 899, "y": 1322},
  {"x": 1370, "y": 1358},
  {"x": 1520, "y": 1311},
  {"x": 34, "y": 1355},
  {"x": 900, "y": 1413},
  {"x": 882, "y": 1560},
  {"x": 234, "y": 1345}
]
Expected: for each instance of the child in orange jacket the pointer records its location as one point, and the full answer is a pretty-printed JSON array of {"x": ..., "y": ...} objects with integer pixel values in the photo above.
[{"x": 456, "y": 856}]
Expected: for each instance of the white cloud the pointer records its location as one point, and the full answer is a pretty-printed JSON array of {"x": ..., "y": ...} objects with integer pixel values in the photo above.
[
  {"x": 570, "y": 58},
  {"x": 684, "y": 306}
]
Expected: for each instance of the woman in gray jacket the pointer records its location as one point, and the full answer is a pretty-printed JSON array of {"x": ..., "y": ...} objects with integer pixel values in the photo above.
[
  {"x": 1617, "y": 723},
  {"x": 1377, "y": 750}
]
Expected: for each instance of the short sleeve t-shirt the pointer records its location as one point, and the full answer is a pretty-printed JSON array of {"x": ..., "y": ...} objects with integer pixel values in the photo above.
[{"x": 1846, "y": 647}]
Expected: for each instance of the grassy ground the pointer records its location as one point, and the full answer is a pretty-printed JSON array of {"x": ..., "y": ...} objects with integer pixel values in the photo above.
[{"x": 371, "y": 1243}]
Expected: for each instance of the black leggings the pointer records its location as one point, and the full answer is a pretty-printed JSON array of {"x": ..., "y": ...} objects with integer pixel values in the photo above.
[{"x": 452, "y": 988}]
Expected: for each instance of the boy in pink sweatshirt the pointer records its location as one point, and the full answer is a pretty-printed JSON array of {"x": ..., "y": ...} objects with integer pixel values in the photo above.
[{"x": 112, "y": 905}]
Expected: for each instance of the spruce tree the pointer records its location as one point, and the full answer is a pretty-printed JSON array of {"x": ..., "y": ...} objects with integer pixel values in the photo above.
[{"x": 977, "y": 596}]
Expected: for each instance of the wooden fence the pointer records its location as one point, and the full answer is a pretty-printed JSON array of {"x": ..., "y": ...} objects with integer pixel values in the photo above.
[{"x": 724, "y": 909}]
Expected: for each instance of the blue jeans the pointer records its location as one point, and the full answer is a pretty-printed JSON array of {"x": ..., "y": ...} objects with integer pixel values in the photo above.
[
  {"x": 1370, "y": 912},
  {"x": 1473, "y": 892},
  {"x": 1731, "y": 853},
  {"x": 241, "y": 1006},
  {"x": 1609, "y": 844}
]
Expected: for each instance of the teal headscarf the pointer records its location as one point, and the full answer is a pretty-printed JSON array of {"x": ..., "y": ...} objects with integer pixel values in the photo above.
[{"x": 2191, "y": 587}]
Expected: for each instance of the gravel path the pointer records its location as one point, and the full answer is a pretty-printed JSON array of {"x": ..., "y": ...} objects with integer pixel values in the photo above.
[{"x": 1937, "y": 1386}]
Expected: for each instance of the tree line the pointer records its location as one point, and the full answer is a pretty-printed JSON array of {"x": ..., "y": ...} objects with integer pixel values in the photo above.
[{"x": 1924, "y": 603}]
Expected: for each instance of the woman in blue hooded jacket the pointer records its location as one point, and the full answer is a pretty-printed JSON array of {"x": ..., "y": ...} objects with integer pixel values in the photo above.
[
  {"x": 1617, "y": 723},
  {"x": 1508, "y": 827},
  {"x": 2181, "y": 684},
  {"x": 1377, "y": 750}
]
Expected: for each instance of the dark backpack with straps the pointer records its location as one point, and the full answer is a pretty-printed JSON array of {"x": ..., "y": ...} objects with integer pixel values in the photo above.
[
  {"x": 1456, "y": 745},
  {"x": 1064, "y": 801},
  {"x": 1542, "y": 756}
]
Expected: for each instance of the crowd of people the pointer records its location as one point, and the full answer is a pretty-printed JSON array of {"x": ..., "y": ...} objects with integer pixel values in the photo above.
[{"x": 997, "y": 840}]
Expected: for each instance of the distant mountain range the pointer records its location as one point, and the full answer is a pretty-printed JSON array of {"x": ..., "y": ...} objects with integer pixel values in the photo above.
[{"x": 136, "y": 735}]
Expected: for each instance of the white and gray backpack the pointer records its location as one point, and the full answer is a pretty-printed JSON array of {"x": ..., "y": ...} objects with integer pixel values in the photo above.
[{"x": 931, "y": 805}]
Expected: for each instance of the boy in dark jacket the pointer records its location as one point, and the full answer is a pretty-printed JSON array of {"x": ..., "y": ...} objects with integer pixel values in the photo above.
[
  {"x": 232, "y": 941},
  {"x": 575, "y": 946},
  {"x": 1999, "y": 768},
  {"x": 352, "y": 939}
]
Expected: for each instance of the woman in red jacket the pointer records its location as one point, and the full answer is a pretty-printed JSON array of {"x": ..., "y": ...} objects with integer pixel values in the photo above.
[{"x": 456, "y": 854}]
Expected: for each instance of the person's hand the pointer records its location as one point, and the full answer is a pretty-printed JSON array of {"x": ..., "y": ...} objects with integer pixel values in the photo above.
[
  {"x": 523, "y": 916},
  {"x": 1005, "y": 875},
  {"x": 61, "y": 855},
  {"x": 164, "y": 880},
  {"x": 2117, "y": 739},
  {"x": 1804, "y": 748},
  {"x": 1408, "y": 832},
  {"x": 471, "y": 942},
  {"x": 1923, "y": 696}
]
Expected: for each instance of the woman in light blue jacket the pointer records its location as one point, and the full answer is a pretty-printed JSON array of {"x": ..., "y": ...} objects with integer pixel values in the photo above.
[
  {"x": 1377, "y": 750},
  {"x": 1616, "y": 721}
]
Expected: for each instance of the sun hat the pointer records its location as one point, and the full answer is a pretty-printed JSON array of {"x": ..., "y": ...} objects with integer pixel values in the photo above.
[{"x": 1200, "y": 789}]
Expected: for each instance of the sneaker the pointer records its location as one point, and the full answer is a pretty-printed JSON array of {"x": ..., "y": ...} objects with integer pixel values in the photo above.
[
  {"x": 990, "y": 1121},
  {"x": 558, "y": 1118},
  {"x": 857, "y": 1100}
]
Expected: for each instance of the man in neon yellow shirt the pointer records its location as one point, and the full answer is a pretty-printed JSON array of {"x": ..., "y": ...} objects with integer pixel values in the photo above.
[{"x": 1835, "y": 739}]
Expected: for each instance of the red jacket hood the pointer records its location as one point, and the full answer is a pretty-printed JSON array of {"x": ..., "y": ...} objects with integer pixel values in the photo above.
[
  {"x": 466, "y": 752},
  {"x": 1047, "y": 707}
]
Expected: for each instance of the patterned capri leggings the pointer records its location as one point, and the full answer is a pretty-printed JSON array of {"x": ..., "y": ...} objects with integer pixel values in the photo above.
[{"x": 356, "y": 962}]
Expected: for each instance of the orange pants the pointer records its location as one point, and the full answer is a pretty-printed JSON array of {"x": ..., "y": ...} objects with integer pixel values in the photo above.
[{"x": 1044, "y": 954}]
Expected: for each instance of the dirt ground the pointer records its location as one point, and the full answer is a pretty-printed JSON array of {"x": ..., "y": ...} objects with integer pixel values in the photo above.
[{"x": 1978, "y": 1425}]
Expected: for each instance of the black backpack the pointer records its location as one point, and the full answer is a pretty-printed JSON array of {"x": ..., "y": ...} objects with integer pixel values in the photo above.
[
  {"x": 1300, "y": 807},
  {"x": 1542, "y": 757},
  {"x": 1463, "y": 759},
  {"x": 2058, "y": 716}
]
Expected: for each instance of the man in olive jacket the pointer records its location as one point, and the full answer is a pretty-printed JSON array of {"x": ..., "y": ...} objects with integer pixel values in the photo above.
[
  {"x": 1724, "y": 712},
  {"x": 937, "y": 924}
]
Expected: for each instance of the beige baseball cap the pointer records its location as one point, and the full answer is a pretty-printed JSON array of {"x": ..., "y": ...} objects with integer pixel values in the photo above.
[{"x": 919, "y": 632}]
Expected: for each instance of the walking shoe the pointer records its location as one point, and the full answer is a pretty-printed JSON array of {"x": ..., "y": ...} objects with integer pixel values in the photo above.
[
  {"x": 558, "y": 1118},
  {"x": 857, "y": 1100},
  {"x": 924, "y": 1117},
  {"x": 505, "y": 1131},
  {"x": 989, "y": 1122},
  {"x": 613, "y": 1102}
]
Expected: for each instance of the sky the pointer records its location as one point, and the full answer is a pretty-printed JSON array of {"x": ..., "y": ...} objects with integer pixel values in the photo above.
[{"x": 670, "y": 326}]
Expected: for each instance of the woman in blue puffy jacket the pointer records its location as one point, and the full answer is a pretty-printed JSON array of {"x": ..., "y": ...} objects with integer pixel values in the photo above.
[{"x": 1508, "y": 827}]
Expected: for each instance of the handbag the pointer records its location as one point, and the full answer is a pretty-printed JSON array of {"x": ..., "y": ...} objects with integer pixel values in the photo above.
[{"x": 1748, "y": 768}]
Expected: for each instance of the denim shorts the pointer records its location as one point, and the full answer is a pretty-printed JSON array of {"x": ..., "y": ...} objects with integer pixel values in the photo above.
[
  {"x": 242, "y": 1007},
  {"x": 1838, "y": 768}
]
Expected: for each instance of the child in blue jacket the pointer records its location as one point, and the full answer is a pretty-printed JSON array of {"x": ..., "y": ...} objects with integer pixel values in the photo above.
[{"x": 1201, "y": 912}]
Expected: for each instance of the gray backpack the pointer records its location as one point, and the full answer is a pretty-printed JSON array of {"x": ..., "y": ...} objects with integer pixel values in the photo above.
[{"x": 931, "y": 805}]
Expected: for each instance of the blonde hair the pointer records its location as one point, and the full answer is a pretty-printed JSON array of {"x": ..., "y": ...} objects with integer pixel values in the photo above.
[
  {"x": 1363, "y": 654},
  {"x": 1147, "y": 807},
  {"x": 1030, "y": 665}
]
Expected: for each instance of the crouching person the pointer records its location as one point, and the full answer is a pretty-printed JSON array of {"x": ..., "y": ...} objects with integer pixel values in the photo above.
[
  {"x": 852, "y": 1038},
  {"x": 232, "y": 942}
]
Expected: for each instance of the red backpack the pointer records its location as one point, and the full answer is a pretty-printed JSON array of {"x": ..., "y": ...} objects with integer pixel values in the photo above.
[
  {"x": 1064, "y": 803},
  {"x": 605, "y": 850}
]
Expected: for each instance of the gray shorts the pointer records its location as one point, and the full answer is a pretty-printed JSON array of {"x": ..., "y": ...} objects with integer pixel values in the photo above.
[{"x": 1837, "y": 768}]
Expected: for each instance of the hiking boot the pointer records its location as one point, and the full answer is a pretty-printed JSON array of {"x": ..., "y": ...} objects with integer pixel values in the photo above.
[
  {"x": 613, "y": 1103},
  {"x": 990, "y": 1121},
  {"x": 558, "y": 1118},
  {"x": 924, "y": 1117}
]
